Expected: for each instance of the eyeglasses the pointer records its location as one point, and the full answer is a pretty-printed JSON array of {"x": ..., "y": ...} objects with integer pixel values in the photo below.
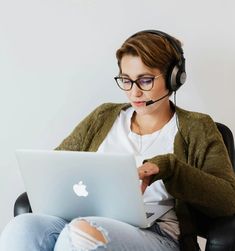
[{"x": 144, "y": 83}]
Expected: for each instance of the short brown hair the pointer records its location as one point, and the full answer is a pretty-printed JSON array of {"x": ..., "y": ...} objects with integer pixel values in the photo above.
[{"x": 154, "y": 50}]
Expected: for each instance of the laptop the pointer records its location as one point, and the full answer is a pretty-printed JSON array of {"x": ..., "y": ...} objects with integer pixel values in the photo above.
[{"x": 72, "y": 184}]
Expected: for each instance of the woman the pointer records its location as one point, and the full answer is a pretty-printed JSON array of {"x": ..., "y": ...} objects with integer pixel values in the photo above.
[{"x": 179, "y": 154}]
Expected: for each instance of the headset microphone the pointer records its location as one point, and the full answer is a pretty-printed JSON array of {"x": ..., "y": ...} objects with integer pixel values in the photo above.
[{"x": 150, "y": 102}]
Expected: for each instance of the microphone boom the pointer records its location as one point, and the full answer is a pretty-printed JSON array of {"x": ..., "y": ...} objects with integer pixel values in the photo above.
[{"x": 150, "y": 102}]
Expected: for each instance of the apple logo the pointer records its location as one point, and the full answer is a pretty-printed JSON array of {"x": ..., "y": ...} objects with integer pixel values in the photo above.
[{"x": 80, "y": 189}]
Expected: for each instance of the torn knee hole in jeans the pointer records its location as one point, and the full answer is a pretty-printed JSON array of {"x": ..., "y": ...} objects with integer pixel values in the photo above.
[{"x": 86, "y": 235}]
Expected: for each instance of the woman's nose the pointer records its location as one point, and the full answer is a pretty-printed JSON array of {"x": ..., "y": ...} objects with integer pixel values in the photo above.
[{"x": 136, "y": 91}]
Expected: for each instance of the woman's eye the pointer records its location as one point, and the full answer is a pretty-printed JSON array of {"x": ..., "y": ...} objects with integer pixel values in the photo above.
[
  {"x": 126, "y": 81},
  {"x": 145, "y": 81}
]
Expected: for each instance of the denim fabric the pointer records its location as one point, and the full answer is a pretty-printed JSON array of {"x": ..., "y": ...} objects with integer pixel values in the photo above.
[
  {"x": 47, "y": 233},
  {"x": 31, "y": 232}
]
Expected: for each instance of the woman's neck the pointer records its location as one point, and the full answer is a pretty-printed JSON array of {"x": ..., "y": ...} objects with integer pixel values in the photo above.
[{"x": 149, "y": 123}]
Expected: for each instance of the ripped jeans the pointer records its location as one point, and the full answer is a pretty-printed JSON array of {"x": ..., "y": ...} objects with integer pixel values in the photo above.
[{"x": 48, "y": 233}]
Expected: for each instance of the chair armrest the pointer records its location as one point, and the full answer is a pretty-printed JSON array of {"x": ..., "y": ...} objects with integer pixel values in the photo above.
[
  {"x": 22, "y": 205},
  {"x": 221, "y": 235}
]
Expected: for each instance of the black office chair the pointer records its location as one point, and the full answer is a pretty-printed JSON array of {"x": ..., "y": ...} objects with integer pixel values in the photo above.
[{"x": 219, "y": 232}]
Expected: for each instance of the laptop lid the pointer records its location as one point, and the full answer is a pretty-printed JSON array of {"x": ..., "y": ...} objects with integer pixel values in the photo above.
[{"x": 72, "y": 184}]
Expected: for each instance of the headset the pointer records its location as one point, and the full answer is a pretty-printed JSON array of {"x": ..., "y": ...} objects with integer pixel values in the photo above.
[{"x": 176, "y": 74}]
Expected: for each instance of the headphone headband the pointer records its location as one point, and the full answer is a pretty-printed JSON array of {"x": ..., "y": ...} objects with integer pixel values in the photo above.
[{"x": 169, "y": 38}]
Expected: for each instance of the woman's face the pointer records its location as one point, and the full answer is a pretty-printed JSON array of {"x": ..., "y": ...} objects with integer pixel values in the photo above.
[{"x": 132, "y": 67}]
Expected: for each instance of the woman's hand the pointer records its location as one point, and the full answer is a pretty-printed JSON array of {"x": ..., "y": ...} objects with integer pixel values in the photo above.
[{"x": 146, "y": 172}]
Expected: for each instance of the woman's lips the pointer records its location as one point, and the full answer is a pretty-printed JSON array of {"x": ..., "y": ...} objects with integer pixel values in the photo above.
[{"x": 139, "y": 103}]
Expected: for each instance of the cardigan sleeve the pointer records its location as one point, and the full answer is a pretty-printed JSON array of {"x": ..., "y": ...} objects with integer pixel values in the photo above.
[
  {"x": 207, "y": 180},
  {"x": 90, "y": 132},
  {"x": 75, "y": 141}
]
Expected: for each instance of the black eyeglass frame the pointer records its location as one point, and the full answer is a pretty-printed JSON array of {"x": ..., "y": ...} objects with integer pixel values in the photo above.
[{"x": 136, "y": 82}]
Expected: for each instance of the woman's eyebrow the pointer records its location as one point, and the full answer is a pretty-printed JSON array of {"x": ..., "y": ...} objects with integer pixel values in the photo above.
[
  {"x": 138, "y": 76},
  {"x": 124, "y": 75}
]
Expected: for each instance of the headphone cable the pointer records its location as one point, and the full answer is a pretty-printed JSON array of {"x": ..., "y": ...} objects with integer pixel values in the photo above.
[{"x": 178, "y": 127}]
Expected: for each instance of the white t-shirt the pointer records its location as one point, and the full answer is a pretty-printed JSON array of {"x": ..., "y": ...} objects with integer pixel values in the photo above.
[{"x": 121, "y": 139}]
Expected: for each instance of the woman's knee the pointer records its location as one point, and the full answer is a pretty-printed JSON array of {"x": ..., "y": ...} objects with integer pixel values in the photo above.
[
  {"x": 82, "y": 234},
  {"x": 18, "y": 230},
  {"x": 20, "y": 224},
  {"x": 31, "y": 229}
]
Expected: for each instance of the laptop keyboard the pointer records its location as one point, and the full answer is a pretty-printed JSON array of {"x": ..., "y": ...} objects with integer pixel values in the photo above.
[{"x": 149, "y": 214}]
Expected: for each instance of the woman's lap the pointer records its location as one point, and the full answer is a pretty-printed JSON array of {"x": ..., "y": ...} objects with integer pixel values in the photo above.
[
  {"x": 40, "y": 232},
  {"x": 120, "y": 236}
]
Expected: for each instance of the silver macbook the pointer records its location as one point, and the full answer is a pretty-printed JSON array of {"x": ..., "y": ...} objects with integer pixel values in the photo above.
[{"x": 72, "y": 184}]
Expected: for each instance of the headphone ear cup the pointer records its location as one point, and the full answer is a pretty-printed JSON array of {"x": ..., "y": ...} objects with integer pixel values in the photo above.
[{"x": 176, "y": 77}]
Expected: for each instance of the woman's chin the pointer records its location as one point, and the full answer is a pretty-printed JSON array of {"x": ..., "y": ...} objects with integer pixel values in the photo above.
[{"x": 141, "y": 110}]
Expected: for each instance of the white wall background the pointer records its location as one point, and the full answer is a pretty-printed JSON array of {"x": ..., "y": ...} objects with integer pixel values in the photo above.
[{"x": 57, "y": 62}]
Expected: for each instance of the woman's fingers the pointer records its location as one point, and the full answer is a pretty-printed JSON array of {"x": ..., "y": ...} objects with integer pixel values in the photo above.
[
  {"x": 146, "y": 172},
  {"x": 144, "y": 184},
  {"x": 147, "y": 169}
]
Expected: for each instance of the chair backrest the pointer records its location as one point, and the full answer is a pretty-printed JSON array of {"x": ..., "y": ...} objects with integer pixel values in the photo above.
[
  {"x": 204, "y": 225},
  {"x": 228, "y": 141}
]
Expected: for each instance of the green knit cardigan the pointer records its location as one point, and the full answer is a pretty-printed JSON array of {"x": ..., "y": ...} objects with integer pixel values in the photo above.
[{"x": 198, "y": 174}]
